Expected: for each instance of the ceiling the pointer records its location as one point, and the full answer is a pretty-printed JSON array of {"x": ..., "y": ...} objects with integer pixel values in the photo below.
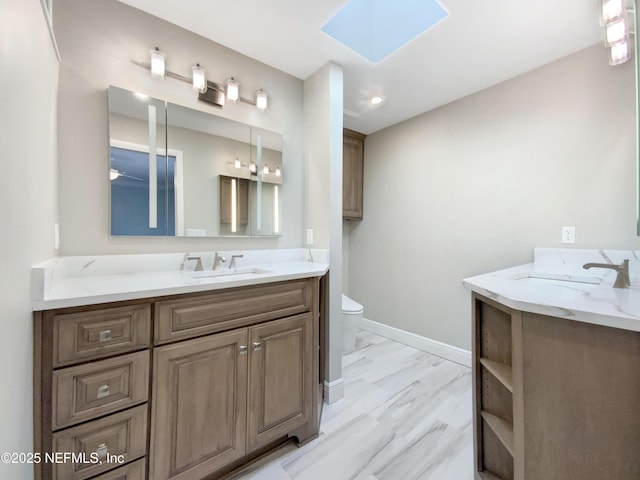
[{"x": 481, "y": 43}]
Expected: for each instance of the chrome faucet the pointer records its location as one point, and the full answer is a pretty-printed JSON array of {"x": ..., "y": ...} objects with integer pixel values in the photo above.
[
  {"x": 188, "y": 258},
  {"x": 217, "y": 261},
  {"x": 622, "y": 280},
  {"x": 232, "y": 263}
]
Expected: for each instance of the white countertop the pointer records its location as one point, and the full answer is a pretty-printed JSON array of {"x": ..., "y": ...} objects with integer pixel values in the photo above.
[
  {"x": 74, "y": 281},
  {"x": 555, "y": 284}
]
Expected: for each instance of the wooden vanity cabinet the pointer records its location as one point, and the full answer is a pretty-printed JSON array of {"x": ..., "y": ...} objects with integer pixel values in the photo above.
[
  {"x": 215, "y": 378},
  {"x": 352, "y": 174},
  {"x": 554, "y": 399}
]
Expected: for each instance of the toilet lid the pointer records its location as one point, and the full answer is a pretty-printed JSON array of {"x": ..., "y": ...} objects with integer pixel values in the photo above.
[{"x": 349, "y": 306}]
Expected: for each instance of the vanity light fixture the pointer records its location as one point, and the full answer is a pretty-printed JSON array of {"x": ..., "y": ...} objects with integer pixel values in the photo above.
[
  {"x": 237, "y": 163},
  {"x": 158, "y": 64},
  {"x": 233, "y": 90},
  {"x": 278, "y": 171},
  {"x": 265, "y": 169},
  {"x": 616, "y": 32},
  {"x": 199, "y": 77},
  {"x": 253, "y": 168},
  {"x": 262, "y": 100},
  {"x": 619, "y": 53}
]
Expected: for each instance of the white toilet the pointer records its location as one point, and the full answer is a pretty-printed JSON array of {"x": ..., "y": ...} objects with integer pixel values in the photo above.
[{"x": 351, "y": 321}]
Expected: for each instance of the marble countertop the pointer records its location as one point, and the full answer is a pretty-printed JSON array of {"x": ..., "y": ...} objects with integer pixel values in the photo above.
[
  {"x": 75, "y": 281},
  {"x": 555, "y": 284}
]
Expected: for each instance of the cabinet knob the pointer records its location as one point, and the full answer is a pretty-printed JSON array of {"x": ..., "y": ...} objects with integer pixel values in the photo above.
[
  {"x": 102, "y": 451},
  {"x": 105, "y": 335},
  {"x": 103, "y": 391},
  {"x": 243, "y": 349},
  {"x": 257, "y": 345}
]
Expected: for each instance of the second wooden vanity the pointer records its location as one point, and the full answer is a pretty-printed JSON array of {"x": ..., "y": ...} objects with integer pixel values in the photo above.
[
  {"x": 555, "y": 399},
  {"x": 181, "y": 387}
]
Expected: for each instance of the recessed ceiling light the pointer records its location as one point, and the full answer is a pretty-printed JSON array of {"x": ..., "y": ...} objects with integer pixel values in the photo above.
[{"x": 376, "y": 100}]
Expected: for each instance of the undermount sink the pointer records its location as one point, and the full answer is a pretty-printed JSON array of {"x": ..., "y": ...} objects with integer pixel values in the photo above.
[
  {"x": 542, "y": 278},
  {"x": 227, "y": 272}
]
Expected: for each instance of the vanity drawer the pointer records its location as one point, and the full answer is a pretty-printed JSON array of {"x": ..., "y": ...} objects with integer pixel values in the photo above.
[
  {"x": 88, "y": 391},
  {"x": 99, "y": 333},
  {"x": 223, "y": 310},
  {"x": 132, "y": 471},
  {"x": 123, "y": 434}
]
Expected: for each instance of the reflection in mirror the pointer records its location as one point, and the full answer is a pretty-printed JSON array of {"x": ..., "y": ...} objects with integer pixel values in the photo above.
[
  {"x": 212, "y": 176},
  {"x": 138, "y": 166}
]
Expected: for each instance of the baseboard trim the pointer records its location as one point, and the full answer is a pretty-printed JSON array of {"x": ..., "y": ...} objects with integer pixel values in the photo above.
[
  {"x": 455, "y": 354},
  {"x": 333, "y": 391}
]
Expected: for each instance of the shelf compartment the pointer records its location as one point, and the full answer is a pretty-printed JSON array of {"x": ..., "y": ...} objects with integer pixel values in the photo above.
[
  {"x": 502, "y": 429},
  {"x": 496, "y": 458},
  {"x": 495, "y": 399},
  {"x": 500, "y": 371},
  {"x": 495, "y": 333}
]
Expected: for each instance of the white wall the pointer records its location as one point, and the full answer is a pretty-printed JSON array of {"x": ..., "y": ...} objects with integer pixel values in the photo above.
[
  {"x": 99, "y": 40},
  {"x": 323, "y": 92},
  {"x": 28, "y": 85},
  {"x": 474, "y": 186}
]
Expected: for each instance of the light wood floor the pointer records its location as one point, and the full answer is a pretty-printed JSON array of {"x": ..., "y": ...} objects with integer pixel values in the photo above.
[{"x": 406, "y": 415}]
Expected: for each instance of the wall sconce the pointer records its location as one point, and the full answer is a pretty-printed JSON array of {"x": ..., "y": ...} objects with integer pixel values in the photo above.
[
  {"x": 233, "y": 90},
  {"x": 613, "y": 16},
  {"x": 262, "y": 100},
  {"x": 199, "y": 78},
  {"x": 157, "y": 64}
]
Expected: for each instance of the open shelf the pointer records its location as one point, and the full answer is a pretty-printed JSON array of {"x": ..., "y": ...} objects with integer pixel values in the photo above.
[
  {"x": 488, "y": 476},
  {"x": 499, "y": 370},
  {"x": 502, "y": 429}
]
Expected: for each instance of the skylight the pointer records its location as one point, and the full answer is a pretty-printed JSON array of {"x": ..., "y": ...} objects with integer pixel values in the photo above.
[{"x": 377, "y": 28}]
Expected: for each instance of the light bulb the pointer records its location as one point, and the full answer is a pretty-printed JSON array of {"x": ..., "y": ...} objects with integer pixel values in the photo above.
[
  {"x": 199, "y": 78},
  {"x": 262, "y": 100},
  {"x": 619, "y": 53},
  {"x": 233, "y": 90},
  {"x": 157, "y": 63},
  {"x": 616, "y": 32},
  {"x": 612, "y": 10}
]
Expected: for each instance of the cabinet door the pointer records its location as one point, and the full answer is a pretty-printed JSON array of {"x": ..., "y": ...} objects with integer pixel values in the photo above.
[
  {"x": 281, "y": 378},
  {"x": 199, "y": 406},
  {"x": 352, "y": 173},
  {"x": 242, "y": 200}
]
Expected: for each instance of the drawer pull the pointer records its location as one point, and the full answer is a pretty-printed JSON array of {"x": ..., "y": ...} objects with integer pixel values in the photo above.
[
  {"x": 257, "y": 346},
  {"x": 105, "y": 335},
  {"x": 103, "y": 391},
  {"x": 243, "y": 349},
  {"x": 102, "y": 451}
]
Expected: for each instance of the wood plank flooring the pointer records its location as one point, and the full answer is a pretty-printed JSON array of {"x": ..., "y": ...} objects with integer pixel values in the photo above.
[{"x": 406, "y": 415}]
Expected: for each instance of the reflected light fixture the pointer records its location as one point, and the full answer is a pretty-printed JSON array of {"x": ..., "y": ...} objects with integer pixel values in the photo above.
[
  {"x": 233, "y": 90},
  {"x": 612, "y": 10},
  {"x": 158, "y": 64},
  {"x": 253, "y": 168},
  {"x": 237, "y": 163},
  {"x": 619, "y": 53},
  {"x": 278, "y": 171},
  {"x": 262, "y": 100},
  {"x": 199, "y": 77},
  {"x": 265, "y": 169},
  {"x": 616, "y": 32},
  {"x": 113, "y": 174}
]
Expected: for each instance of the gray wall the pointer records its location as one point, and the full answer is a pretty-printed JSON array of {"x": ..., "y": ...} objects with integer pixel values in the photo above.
[
  {"x": 28, "y": 85},
  {"x": 474, "y": 186},
  {"x": 99, "y": 40}
]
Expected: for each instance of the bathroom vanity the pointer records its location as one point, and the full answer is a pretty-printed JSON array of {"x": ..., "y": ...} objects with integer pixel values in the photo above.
[
  {"x": 187, "y": 385},
  {"x": 556, "y": 370}
]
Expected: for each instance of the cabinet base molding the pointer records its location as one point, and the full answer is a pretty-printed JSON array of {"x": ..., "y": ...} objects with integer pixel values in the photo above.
[{"x": 434, "y": 347}]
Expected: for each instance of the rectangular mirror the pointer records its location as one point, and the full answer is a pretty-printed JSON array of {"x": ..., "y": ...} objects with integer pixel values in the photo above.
[{"x": 209, "y": 176}]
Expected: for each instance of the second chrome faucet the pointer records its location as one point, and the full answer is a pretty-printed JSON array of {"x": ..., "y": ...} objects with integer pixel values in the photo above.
[{"x": 622, "y": 280}]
